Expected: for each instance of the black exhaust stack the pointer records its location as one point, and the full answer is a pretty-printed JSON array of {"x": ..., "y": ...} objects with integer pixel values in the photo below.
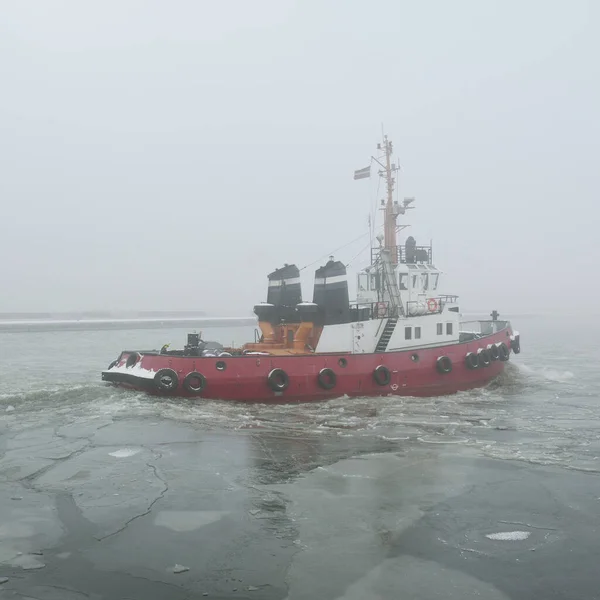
[
  {"x": 331, "y": 293},
  {"x": 284, "y": 286},
  {"x": 284, "y": 293}
]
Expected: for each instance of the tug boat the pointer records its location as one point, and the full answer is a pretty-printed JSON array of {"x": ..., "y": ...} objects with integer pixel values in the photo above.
[{"x": 400, "y": 336}]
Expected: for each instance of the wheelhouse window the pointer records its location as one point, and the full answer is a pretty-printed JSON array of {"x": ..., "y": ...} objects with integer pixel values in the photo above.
[
  {"x": 363, "y": 282},
  {"x": 434, "y": 280},
  {"x": 417, "y": 333},
  {"x": 440, "y": 328},
  {"x": 414, "y": 281},
  {"x": 407, "y": 333},
  {"x": 375, "y": 281},
  {"x": 425, "y": 281},
  {"x": 448, "y": 328},
  {"x": 403, "y": 281}
]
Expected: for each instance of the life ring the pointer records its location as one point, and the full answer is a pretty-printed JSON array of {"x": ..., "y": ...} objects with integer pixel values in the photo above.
[
  {"x": 503, "y": 352},
  {"x": 432, "y": 305},
  {"x": 327, "y": 379},
  {"x": 278, "y": 380},
  {"x": 382, "y": 375},
  {"x": 194, "y": 382},
  {"x": 166, "y": 380},
  {"x": 132, "y": 359},
  {"x": 471, "y": 360},
  {"x": 484, "y": 357},
  {"x": 494, "y": 352},
  {"x": 381, "y": 309},
  {"x": 443, "y": 364}
]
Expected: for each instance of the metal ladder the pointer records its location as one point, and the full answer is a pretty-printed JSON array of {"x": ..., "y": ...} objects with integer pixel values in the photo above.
[
  {"x": 386, "y": 335},
  {"x": 391, "y": 280}
]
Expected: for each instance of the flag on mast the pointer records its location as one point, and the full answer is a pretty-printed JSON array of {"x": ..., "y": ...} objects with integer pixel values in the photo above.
[{"x": 363, "y": 173}]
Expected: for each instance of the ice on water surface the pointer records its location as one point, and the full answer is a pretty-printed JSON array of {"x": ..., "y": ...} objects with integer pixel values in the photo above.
[{"x": 509, "y": 536}]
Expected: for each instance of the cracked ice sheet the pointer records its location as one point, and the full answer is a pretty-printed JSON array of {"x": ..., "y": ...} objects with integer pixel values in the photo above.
[
  {"x": 420, "y": 579},
  {"x": 109, "y": 491},
  {"x": 188, "y": 520},
  {"x": 202, "y": 522},
  {"x": 146, "y": 433},
  {"x": 49, "y": 592},
  {"x": 27, "y": 524},
  {"x": 32, "y": 450},
  {"x": 376, "y": 499}
]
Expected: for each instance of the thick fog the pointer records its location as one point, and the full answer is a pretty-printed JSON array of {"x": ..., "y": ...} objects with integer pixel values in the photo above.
[{"x": 168, "y": 155}]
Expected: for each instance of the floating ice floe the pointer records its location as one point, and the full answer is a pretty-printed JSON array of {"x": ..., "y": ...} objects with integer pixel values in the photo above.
[
  {"x": 179, "y": 569},
  {"x": 509, "y": 536},
  {"x": 125, "y": 452}
]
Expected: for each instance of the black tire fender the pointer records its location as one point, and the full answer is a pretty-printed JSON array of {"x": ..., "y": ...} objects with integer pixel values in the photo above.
[
  {"x": 484, "y": 357},
  {"x": 189, "y": 383},
  {"x": 382, "y": 375},
  {"x": 132, "y": 359},
  {"x": 503, "y": 352},
  {"x": 471, "y": 360},
  {"x": 493, "y": 351},
  {"x": 443, "y": 364},
  {"x": 166, "y": 380},
  {"x": 327, "y": 378},
  {"x": 515, "y": 344},
  {"x": 278, "y": 380}
]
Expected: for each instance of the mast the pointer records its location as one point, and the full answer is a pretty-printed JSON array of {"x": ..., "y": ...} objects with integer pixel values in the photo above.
[
  {"x": 391, "y": 210},
  {"x": 386, "y": 259},
  {"x": 389, "y": 255}
]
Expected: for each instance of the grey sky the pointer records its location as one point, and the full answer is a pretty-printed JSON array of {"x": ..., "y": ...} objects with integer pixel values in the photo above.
[{"x": 168, "y": 155}]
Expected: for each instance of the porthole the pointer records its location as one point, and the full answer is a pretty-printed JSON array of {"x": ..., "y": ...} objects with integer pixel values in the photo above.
[
  {"x": 343, "y": 363},
  {"x": 221, "y": 366},
  {"x": 414, "y": 357}
]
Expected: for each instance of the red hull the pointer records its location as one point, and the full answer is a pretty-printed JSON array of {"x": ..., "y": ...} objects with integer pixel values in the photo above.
[{"x": 245, "y": 377}]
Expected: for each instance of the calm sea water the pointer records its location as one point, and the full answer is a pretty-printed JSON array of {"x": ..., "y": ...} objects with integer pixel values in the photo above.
[{"x": 544, "y": 410}]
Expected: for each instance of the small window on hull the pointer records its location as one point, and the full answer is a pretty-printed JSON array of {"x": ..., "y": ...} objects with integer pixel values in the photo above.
[
  {"x": 417, "y": 333},
  {"x": 440, "y": 328},
  {"x": 407, "y": 333},
  {"x": 448, "y": 328}
]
